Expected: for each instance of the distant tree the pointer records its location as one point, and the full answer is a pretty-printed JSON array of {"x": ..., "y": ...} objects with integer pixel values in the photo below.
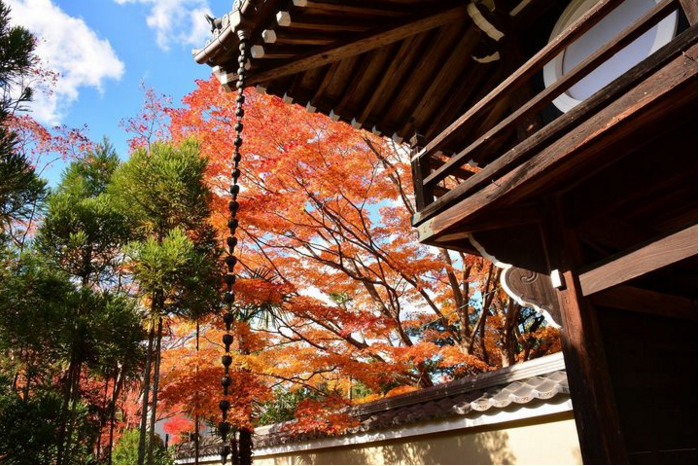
[
  {"x": 17, "y": 59},
  {"x": 43, "y": 327},
  {"x": 50, "y": 331},
  {"x": 34, "y": 300},
  {"x": 83, "y": 232},
  {"x": 126, "y": 449},
  {"x": 284, "y": 405}
]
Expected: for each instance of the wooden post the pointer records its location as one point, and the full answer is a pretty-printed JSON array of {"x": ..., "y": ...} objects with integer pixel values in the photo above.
[
  {"x": 596, "y": 415},
  {"x": 514, "y": 56},
  {"x": 424, "y": 195},
  {"x": 690, "y": 10}
]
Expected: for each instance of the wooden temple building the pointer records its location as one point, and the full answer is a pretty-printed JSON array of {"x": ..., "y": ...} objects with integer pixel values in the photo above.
[{"x": 559, "y": 139}]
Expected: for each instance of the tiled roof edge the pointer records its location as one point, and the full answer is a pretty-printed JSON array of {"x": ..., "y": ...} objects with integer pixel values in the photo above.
[
  {"x": 525, "y": 370},
  {"x": 540, "y": 366}
]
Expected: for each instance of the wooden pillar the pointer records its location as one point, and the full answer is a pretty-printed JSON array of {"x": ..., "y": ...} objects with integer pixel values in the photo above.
[
  {"x": 596, "y": 415},
  {"x": 690, "y": 10},
  {"x": 424, "y": 195},
  {"x": 514, "y": 56}
]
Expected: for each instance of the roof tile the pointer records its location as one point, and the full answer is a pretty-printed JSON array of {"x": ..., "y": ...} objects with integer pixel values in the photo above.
[{"x": 461, "y": 398}]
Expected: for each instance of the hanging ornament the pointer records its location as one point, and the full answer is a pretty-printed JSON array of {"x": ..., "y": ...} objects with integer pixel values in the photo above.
[{"x": 231, "y": 260}]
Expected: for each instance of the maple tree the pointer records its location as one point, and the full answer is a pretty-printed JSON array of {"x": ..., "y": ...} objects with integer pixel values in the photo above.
[
  {"x": 344, "y": 295},
  {"x": 337, "y": 303}
]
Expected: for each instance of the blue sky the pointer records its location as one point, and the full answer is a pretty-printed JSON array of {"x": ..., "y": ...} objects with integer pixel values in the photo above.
[{"x": 103, "y": 49}]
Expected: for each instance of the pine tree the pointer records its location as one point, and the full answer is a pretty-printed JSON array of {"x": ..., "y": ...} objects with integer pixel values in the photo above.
[
  {"x": 21, "y": 190},
  {"x": 83, "y": 231},
  {"x": 162, "y": 192},
  {"x": 83, "y": 235}
]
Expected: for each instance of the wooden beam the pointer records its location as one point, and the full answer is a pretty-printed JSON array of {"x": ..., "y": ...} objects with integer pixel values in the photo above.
[
  {"x": 426, "y": 195},
  {"x": 446, "y": 239},
  {"x": 612, "y": 232},
  {"x": 373, "y": 87},
  {"x": 521, "y": 214},
  {"x": 356, "y": 7},
  {"x": 614, "y": 190},
  {"x": 446, "y": 74},
  {"x": 469, "y": 86},
  {"x": 690, "y": 10},
  {"x": 533, "y": 65},
  {"x": 361, "y": 45},
  {"x": 513, "y": 56},
  {"x": 326, "y": 23},
  {"x": 439, "y": 191},
  {"x": 438, "y": 95},
  {"x": 671, "y": 67},
  {"x": 630, "y": 298},
  {"x": 407, "y": 50},
  {"x": 358, "y": 71},
  {"x": 399, "y": 110},
  {"x": 628, "y": 265},
  {"x": 287, "y": 37},
  {"x": 544, "y": 98},
  {"x": 271, "y": 52},
  {"x": 327, "y": 77},
  {"x": 458, "y": 173}
]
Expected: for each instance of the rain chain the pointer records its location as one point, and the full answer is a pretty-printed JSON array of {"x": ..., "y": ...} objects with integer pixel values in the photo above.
[{"x": 224, "y": 426}]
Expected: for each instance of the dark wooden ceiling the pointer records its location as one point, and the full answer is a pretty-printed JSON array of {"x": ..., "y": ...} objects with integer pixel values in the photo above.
[{"x": 395, "y": 67}]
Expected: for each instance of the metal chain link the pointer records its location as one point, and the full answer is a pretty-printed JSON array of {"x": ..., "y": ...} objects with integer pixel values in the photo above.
[{"x": 224, "y": 405}]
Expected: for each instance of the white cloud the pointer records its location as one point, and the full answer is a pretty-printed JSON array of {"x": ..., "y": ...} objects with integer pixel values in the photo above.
[
  {"x": 179, "y": 22},
  {"x": 70, "y": 48}
]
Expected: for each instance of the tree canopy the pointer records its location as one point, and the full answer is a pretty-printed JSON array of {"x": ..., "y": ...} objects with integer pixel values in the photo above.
[{"x": 110, "y": 282}]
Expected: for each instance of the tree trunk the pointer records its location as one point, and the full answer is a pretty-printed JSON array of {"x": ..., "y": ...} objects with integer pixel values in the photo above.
[
  {"x": 103, "y": 417},
  {"x": 144, "y": 404},
  {"x": 510, "y": 335},
  {"x": 118, "y": 382},
  {"x": 196, "y": 401},
  {"x": 463, "y": 310},
  {"x": 75, "y": 394},
  {"x": 67, "y": 396},
  {"x": 487, "y": 300},
  {"x": 64, "y": 414},
  {"x": 156, "y": 380}
]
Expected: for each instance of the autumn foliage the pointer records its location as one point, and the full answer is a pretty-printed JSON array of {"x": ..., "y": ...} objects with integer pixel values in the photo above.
[{"x": 336, "y": 293}]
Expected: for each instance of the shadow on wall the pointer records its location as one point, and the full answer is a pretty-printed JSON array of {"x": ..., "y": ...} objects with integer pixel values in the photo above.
[{"x": 488, "y": 447}]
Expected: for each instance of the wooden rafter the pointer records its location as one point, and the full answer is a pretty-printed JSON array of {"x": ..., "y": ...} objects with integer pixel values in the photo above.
[
  {"x": 358, "y": 71},
  {"x": 630, "y": 298},
  {"x": 402, "y": 93},
  {"x": 388, "y": 76},
  {"x": 356, "y": 7},
  {"x": 442, "y": 83},
  {"x": 628, "y": 265},
  {"x": 364, "y": 43}
]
